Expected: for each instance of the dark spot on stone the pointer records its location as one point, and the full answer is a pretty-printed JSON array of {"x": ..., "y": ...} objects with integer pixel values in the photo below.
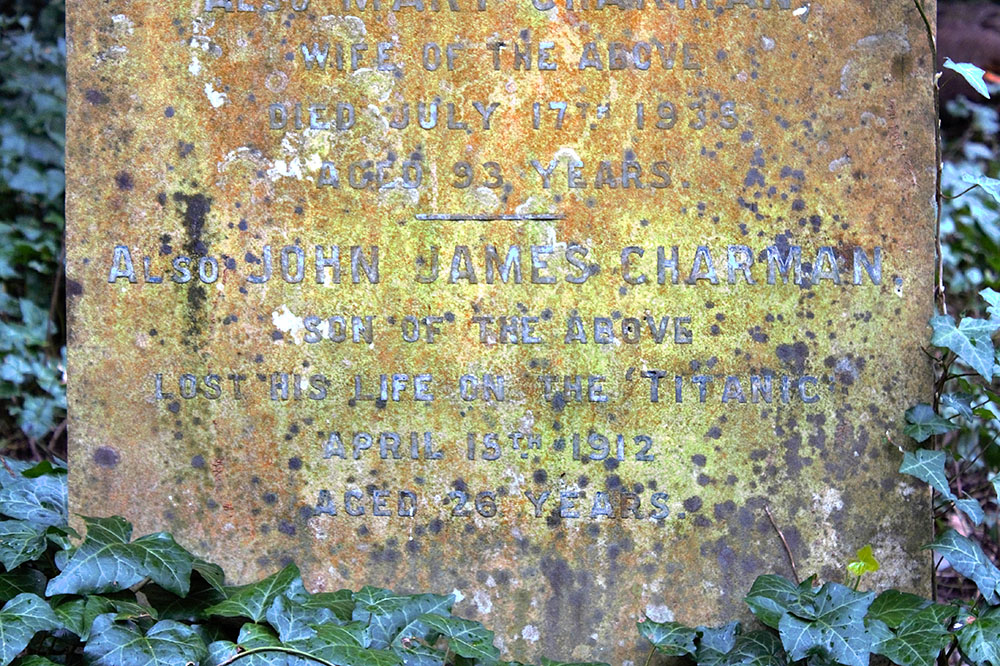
[
  {"x": 725, "y": 509},
  {"x": 540, "y": 476},
  {"x": 794, "y": 355},
  {"x": 698, "y": 459},
  {"x": 692, "y": 504},
  {"x": 106, "y": 457},
  {"x": 169, "y": 112},
  {"x": 124, "y": 180},
  {"x": 174, "y": 407},
  {"x": 270, "y": 498},
  {"x": 435, "y": 526},
  {"x": 294, "y": 464},
  {"x": 198, "y": 462},
  {"x": 715, "y": 432},
  {"x": 196, "y": 297},
  {"x": 195, "y": 213},
  {"x": 74, "y": 288},
  {"x": 96, "y": 97},
  {"x": 286, "y": 527}
]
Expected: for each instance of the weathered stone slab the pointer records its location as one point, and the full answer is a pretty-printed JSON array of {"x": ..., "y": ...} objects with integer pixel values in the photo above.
[{"x": 544, "y": 302}]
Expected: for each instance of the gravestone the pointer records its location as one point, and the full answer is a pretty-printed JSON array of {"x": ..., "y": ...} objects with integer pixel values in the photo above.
[{"x": 548, "y": 302}]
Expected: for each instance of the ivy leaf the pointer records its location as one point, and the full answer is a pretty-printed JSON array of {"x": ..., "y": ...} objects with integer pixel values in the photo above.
[
  {"x": 960, "y": 403},
  {"x": 35, "y": 660},
  {"x": 972, "y": 74},
  {"x": 129, "y": 610},
  {"x": 252, "y": 601},
  {"x": 968, "y": 559},
  {"x": 340, "y": 602},
  {"x": 387, "y": 613},
  {"x": 758, "y": 648},
  {"x": 715, "y": 643},
  {"x": 107, "y": 562},
  {"x": 864, "y": 562},
  {"x": 20, "y": 619},
  {"x": 343, "y": 645},
  {"x": 251, "y": 636},
  {"x": 410, "y": 644},
  {"x": 167, "y": 643},
  {"x": 465, "y": 637},
  {"x": 41, "y": 501},
  {"x": 922, "y": 422},
  {"x": 926, "y": 465},
  {"x": 772, "y": 596},
  {"x": 292, "y": 620},
  {"x": 992, "y": 298},
  {"x": 670, "y": 638},
  {"x": 20, "y": 542},
  {"x": 165, "y": 561},
  {"x": 24, "y": 579},
  {"x": 919, "y": 639},
  {"x": 972, "y": 509},
  {"x": 78, "y": 614},
  {"x": 970, "y": 340},
  {"x": 929, "y": 467},
  {"x": 102, "y": 563},
  {"x": 414, "y": 653},
  {"x": 837, "y": 630},
  {"x": 980, "y": 640},
  {"x": 894, "y": 607},
  {"x": 210, "y": 573}
]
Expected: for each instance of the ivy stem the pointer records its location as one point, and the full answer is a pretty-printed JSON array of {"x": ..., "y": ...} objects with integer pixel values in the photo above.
[
  {"x": 649, "y": 657},
  {"x": 938, "y": 194},
  {"x": 286, "y": 650}
]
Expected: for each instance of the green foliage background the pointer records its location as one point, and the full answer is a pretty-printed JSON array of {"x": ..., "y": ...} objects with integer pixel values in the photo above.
[{"x": 32, "y": 323}]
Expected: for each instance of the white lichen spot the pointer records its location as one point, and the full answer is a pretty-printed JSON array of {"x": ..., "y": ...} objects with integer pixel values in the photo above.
[
  {"x": 123, "y": 23},
  {"x": 767, "y": 43},
  {"x": 530, "y": 633},
  {"x": 286, "y": 322},
  {"x": 827, "y": 502},
  {"x": 283, "y": 169},
  {"x": 659, "y": 613},
  {"x": 839, "y": 163},
  {"x": 486, "y": 198},
  {"x": 457, "y": 593},
  {"x": 483, "y": 602},
  {"x": 215, "y": 97},
  {"x": 801, "y": 12}
]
